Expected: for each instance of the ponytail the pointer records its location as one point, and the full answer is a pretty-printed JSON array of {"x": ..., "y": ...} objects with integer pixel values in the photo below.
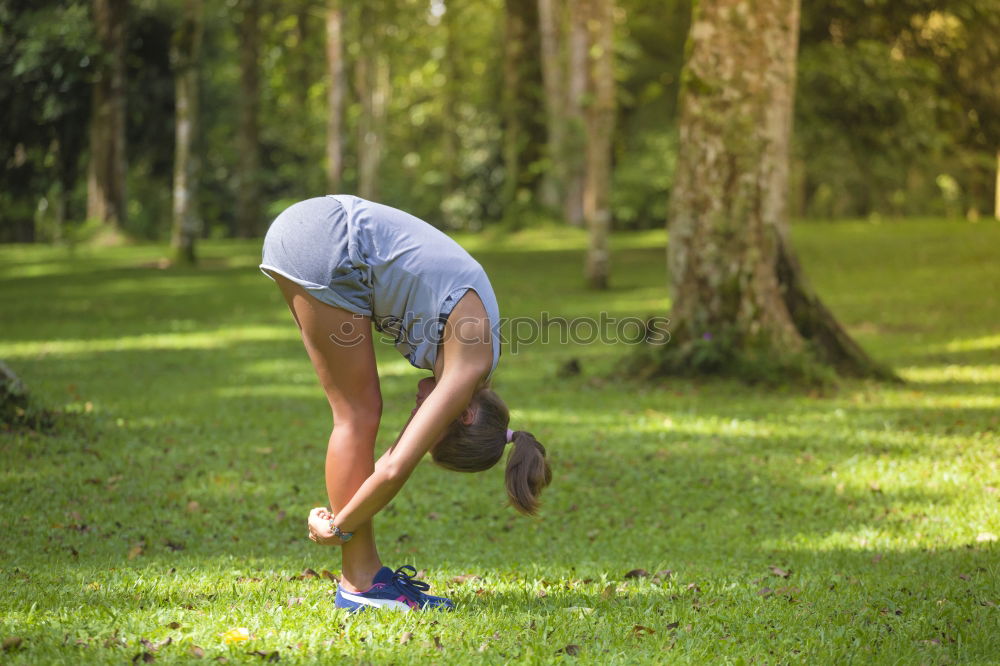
[
  {"x": 527, "y": 472},
  {"x": 479, "y": 445}
]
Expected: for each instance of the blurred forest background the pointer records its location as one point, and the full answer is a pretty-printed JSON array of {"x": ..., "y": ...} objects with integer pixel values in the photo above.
[{"x": 133, "y": 118}]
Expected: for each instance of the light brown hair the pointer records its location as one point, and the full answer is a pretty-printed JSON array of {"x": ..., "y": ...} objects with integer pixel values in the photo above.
[{"x": 479, "y": 445}]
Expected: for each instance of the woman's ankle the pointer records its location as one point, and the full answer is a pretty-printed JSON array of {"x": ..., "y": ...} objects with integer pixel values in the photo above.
[{"x": 359, "y": 579}]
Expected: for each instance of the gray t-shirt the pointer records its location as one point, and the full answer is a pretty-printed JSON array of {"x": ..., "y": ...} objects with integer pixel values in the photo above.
[{"x": 417, "y": 276}]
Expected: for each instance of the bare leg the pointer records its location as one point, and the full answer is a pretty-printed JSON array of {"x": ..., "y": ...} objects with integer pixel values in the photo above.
[{"x": 340, "y": 346}]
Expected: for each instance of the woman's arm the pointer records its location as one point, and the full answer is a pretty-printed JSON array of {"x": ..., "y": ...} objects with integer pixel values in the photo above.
[
  {"x": 467, "y": 357},
  {"x": 448, "y": 400}
]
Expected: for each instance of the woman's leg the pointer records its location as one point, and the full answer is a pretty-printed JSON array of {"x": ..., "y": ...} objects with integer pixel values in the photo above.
[{"x": 339, "y": 344}]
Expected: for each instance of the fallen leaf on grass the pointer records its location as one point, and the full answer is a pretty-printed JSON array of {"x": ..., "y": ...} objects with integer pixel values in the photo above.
[
  {"x": 295, "y": 601},
  {"x": 463, "y": 578},
  {"x": 406, "y": 637},
  {"x": 572, "y": 650},
  {"x": 778, "y": 571},
  {"x": 196, "y": 652},
  {"x": 437, "y": 643},
  {"x": 640, "y": 630},
  {"x": 637, "y": 573},
  {"x": 143, "y": 656},
  {"x": 608, "y": 592},
  {"x": 673, "y": 625},
  {"x": 693, "y": 586},
  {"x": 137, "y": 550},
  {"x": 193, "y": 506},
  {"x": 765, "y": 592},
  {"x": 174, "y": 625},
  {"x": 308, "y": 573},
  {"x": 12, "y": 643},
  {"x": 542, "y": 592},
  {"x": 271, "y": 657},
  {"x": 664, "y": 574},
  {"x": 329, "y": 575},
  {"x": 237, "y": 635},
  {"x": 965, "y": 576},
  {"x": 153, "y": 647}
]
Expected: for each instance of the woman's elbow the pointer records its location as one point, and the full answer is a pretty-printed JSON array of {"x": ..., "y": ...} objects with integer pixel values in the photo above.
[{"x": 395, "y": 475}]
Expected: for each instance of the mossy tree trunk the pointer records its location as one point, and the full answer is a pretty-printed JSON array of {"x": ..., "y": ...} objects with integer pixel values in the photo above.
[
  {"x": 599, "y": 119},
  {"x": 521, "y": 101},
  {"x": 574, "y": 136},
  {"x": 248, "y": 209},
  {"x": 106, "y": 169},
  {"x": 738, "y": 289},
  {"x": 372, "y": 82},
  {"x": 996, "y": 192},
  {"x": 450, "y": 95},
  {"x": 335, "y": 96},
  {"x": 552, "y": 32},
  {"x": 186, "y": 50}
]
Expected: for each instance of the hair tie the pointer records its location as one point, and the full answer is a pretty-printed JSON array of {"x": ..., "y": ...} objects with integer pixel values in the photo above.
[{"x": 510, "y": 435}]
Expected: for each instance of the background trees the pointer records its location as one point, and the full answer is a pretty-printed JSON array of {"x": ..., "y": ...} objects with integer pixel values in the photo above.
[{"x": 469, "y": 113}]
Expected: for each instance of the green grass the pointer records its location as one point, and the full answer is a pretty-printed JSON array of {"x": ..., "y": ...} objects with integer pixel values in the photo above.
[{"x": 175, "y": 507}]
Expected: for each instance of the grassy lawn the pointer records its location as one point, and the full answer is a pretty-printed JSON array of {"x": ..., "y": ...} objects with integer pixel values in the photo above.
[{"x": 853, "y": 525}]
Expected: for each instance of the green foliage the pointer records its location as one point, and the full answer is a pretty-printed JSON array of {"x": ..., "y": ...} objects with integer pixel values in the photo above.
[
  {"x": 892, "y": 97},
  {"x": 852, "y": 527},
  {"x": 861, "y": 115},
  {"x": 46, "y": 55},
  {"x": 643, "y": 177}
]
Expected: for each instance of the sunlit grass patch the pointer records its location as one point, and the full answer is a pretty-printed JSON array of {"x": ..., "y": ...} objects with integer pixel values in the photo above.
[{"x": 853, "y": 525}]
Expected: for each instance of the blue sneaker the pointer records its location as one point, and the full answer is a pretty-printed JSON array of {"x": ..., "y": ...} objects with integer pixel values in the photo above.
[{"x": 393, "y": 589}]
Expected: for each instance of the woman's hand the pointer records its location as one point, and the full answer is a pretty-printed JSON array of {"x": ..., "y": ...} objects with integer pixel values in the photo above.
[{"x": 319, "y": 527}]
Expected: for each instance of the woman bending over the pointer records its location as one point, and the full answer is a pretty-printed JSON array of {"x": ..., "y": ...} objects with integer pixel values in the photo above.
[{"x": 343, "y": 265}]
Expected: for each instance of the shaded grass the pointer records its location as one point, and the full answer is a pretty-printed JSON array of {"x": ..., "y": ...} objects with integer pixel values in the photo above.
[{"x": 184, "y": 500}]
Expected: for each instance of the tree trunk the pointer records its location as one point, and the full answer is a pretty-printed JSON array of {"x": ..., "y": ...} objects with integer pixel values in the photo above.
[
  {"x": 996, "y": 194},
  {"x": 599, "y": 117},
  {"x": 106, "y": 170},
  {"x": 186, "y": 50},
  {"x": 523, "y": 119},
  {"x": 550, "y": 21},
  {"x": 449, "y": 104},
  {"x": 335, "y": 96},
  {"x": 372, "y": 77},
  {"x": 575, "y": 139},
  {"x": 248, "y": 213},
  {"x": 740, "y": 299}
]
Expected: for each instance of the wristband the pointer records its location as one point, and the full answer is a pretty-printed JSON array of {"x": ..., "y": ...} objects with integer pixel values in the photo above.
[{"x": 344, "y": 536}]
